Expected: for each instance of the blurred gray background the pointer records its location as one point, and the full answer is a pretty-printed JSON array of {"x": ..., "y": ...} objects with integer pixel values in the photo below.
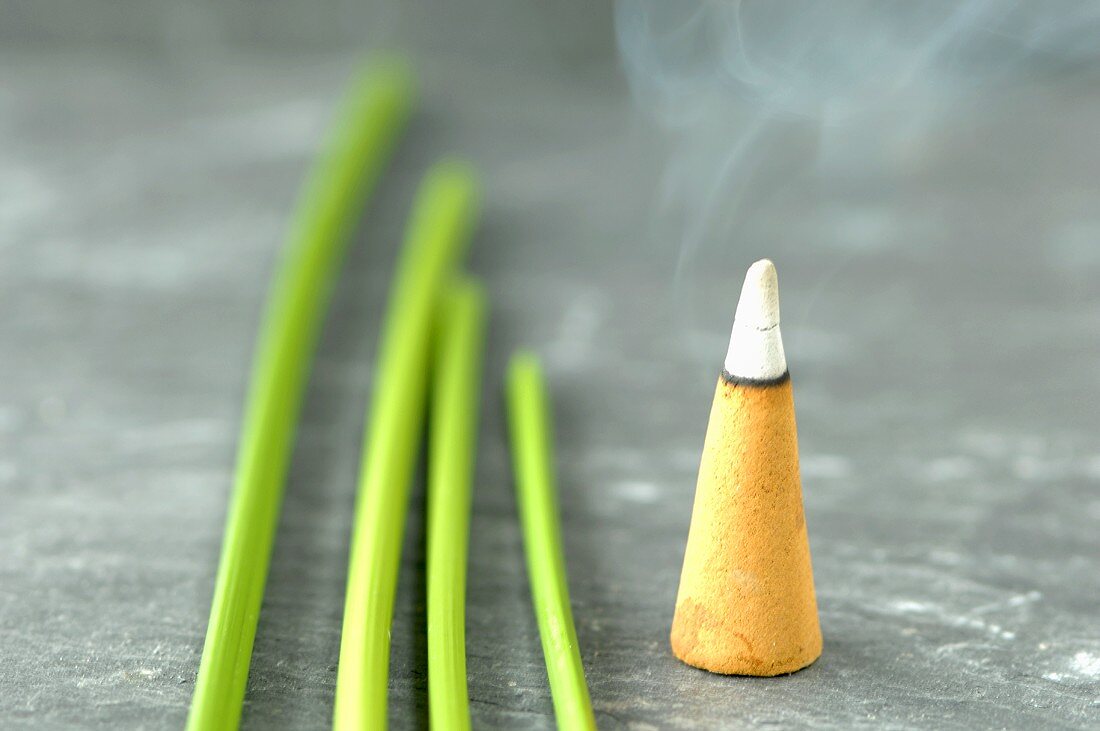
[{"x": 926, "y": 184}]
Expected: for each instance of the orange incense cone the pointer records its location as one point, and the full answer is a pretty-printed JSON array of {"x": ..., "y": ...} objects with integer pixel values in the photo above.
[{"x": 746, "y": 604}]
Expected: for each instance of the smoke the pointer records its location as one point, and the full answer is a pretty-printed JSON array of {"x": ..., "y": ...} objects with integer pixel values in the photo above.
[{"x": 755, "y": 93}]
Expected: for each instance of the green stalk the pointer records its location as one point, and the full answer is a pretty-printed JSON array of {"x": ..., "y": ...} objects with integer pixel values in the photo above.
[
  {"x": 452, "y": 446},
  {"x": 438, "y": 231},
  {"x": 532, "y": 456},
  {"x": 373, "y": 115}
]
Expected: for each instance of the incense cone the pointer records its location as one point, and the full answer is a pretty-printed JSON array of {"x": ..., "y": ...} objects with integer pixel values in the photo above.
[{"x": 746, "y": 604}]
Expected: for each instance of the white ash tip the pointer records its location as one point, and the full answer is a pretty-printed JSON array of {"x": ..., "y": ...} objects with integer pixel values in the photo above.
[
  {"x": 756, "y": 345},
  {"x": 759, "y": 303}
]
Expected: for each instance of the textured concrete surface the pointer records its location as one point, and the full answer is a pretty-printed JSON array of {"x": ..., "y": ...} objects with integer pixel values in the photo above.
[{"x": 941, "y": 322}]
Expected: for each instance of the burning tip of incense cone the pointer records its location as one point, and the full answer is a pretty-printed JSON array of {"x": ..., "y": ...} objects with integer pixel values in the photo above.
[
  {"x": 756, "y": 345},
  {"x": 759, "y": 303}
]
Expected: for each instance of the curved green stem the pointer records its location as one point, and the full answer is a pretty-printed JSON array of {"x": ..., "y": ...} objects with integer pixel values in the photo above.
[
  {"x": 442, "y": 218},
  {"x": 532, "y": 456},
  {"x": 374, "y": 113},
  {"x": 452, "y": 446}
]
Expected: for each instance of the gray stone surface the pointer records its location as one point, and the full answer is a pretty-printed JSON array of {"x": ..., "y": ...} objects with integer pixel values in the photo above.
[{"x": 941, "y": 321}]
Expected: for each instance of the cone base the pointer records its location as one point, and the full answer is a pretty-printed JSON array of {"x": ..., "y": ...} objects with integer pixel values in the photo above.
[{"x": 746, "y": 663}]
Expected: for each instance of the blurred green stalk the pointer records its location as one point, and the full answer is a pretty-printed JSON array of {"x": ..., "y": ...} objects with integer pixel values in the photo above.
[
  {"x": 374, "y": 113},
  {"x": 532, "y": 457},
  {"x": 442, "y": 219},
  {"x": 452, "y": 449}
]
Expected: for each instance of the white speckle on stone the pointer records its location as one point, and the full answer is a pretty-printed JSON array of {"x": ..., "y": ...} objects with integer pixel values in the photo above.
[
  {"x": 945, "y": 558},
  {"x": 950, "y": 469},
  {"x": 986, "y": 444},
  {"x": 636, "y": 491},
  {"x": 290, "y": 129},
  {"x": 686, "y": 458},
  {"x": 51, "y": 410},
  {"x": 1017, "y": 600},
  {"x": 1032, "y": 468},
  {"x": 966, "y": 620},
  {"x": 825, "y": 466},
  {"x": 178, "y": 434},
  {"x": 10, "y": 418},
  {"x": 1091, "y": 467},
  {"x": 1021, "y": 599},
  {"x": 25, "y": 197},
  {"x": 1087, "y": 664},
  {"x": 1072, "y": 247},
  {"x": 575, "y": 342}
]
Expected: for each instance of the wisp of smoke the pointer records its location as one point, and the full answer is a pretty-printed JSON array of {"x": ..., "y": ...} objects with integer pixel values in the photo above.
[{"x": 740, "y": 84}]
